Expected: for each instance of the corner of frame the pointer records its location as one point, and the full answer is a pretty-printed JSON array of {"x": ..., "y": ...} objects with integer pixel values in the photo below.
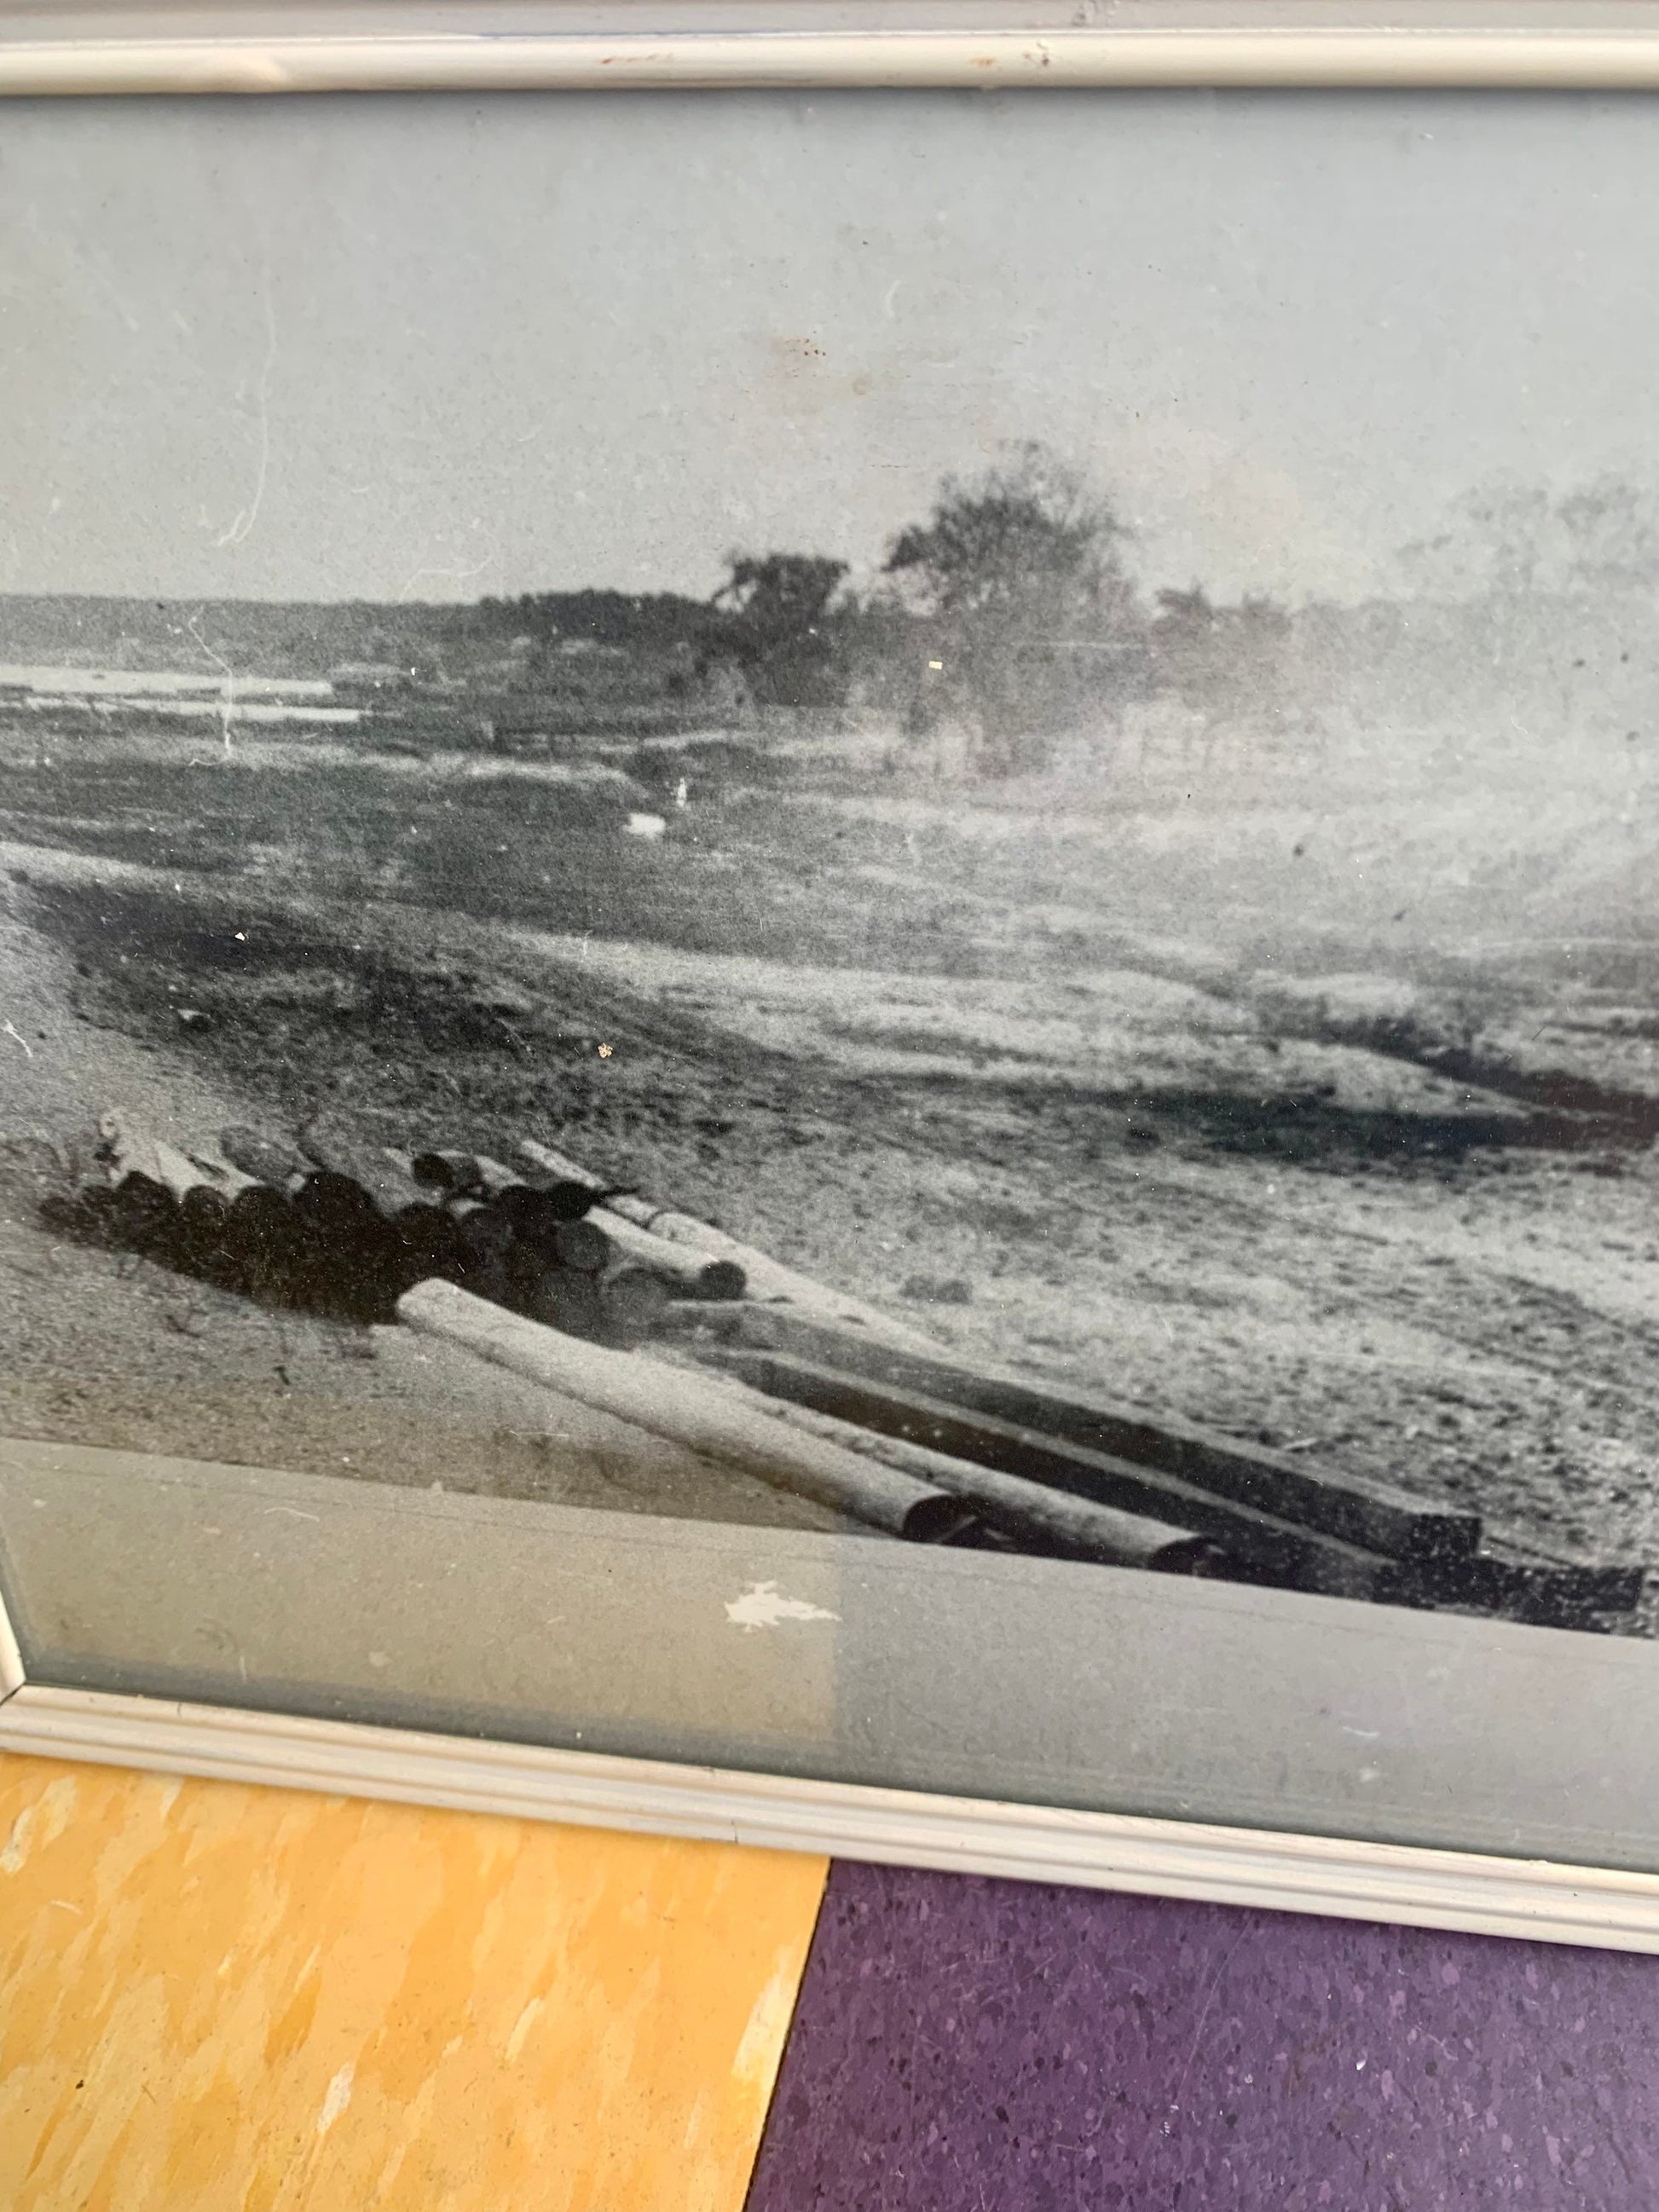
[{"x": 12, "y": 1674}]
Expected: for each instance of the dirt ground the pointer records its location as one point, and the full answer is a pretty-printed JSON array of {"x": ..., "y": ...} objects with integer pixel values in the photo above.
[
  {"x": 104, "y": 1348},
  {"x": 1014, "y": 1088}
]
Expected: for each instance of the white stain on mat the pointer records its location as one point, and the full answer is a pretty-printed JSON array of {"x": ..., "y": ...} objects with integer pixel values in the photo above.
[
  {"x": 526, "y": 2019},
  {"x": 763, "y": 1605},
  {"x": 43, "y": 1822},
  {"x": 337, "y": 2098},
  {"x": 756, "y": 2065}
]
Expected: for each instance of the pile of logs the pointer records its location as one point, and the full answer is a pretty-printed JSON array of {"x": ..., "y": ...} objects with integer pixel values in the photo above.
[
  {"x": 343, "y": 1228},
  {"x": 919, "y": 1495},
  {"x": 545, "y": 1269},
  {"x": 1271, "y": 1516}
]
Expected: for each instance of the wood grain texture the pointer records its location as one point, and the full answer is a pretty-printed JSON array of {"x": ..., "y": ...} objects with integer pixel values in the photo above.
[{"x": 213, "y": 1997}]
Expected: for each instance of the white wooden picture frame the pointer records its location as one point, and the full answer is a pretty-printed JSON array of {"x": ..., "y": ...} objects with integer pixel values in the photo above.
[{"x": 800, "y": 1688}]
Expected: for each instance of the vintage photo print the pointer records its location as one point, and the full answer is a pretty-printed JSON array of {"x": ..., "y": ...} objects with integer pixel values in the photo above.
[{"x": 931, "y": 816}]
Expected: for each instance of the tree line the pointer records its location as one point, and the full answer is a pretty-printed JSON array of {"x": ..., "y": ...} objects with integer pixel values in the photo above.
[{"x": 1008, "y": 611}]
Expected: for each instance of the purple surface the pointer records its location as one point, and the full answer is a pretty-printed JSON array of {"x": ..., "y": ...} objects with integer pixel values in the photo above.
[{"x": 972, "y": 2046}]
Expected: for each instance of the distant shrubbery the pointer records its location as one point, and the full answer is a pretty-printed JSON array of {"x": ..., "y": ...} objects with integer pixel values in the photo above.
[
  {"x": 1002, "y": 625},
  {"x": 1006, "y": 612}
]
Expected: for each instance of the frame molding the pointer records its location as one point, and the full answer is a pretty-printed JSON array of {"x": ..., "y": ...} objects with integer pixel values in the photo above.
[
  {"x": 359, "y": 46},
  {"x": 143, "y": 1696},
  {"x": 1473, "y": 1893},
  {"x": 12, "y": 1676}
]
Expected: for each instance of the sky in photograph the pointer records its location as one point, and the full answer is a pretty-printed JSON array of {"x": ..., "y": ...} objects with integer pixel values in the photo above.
[{"x": 438, "y": 347}]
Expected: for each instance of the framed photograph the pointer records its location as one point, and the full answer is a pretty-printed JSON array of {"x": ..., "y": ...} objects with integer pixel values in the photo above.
[{"x": 828, "y": 949}]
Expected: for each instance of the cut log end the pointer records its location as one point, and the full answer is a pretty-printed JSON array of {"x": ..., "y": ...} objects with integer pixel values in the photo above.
[
  {"x": 582, "y": 1245},
  {"x": 1192, "y": 1555},
  {"x": 456, "y": 1172},
  {"x": 938, "y": 1520}
]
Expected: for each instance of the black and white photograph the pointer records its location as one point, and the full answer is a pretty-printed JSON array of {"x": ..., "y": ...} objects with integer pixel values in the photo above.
[{"x": 930, "y": 818}]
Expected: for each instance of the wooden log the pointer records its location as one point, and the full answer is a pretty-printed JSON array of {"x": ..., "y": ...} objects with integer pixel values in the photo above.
[
  {"x": 166, "y": 1204},
  {"x": 457, "y": 1173},
  {"x": 1029, "y": 1511},
  {"x": 225, "y": 1177},
  {"x": 360, "y": 1232},
  {"x": 290, "y": 1253},
  {"x": 393, "y": 1193},
  {"x": 697, "y": 1410},
  {"x": 620, "y": 1215},
  {"x": 569, "y": 1174},
  {"x": 764, "y": 1278},
  {"x": 564, "y": 1300},
  {"x": 261, "y": 1218},
  {"x": 633, "y": 1300},
  {"x": 172, "y": 1206},
  {"x": 89, "y": 1204},
  {"x": 282, "y": 1166},
  {"x": 261, "y": 1209},
  {"x": 529, "y": 1211},
  {"x": 520, "y": 1226},
  {"x": 1276, "y": 1549},
  {"x": 127, "y": 1151},
  {"x": 1542, "y": 1592},
  {"x": 643, "y": 1212},
  {"x": 580, "y": 1190},
  {"x": 450, "y": 1173},
  {"x": 508, "y": 1236},
  {"x": 335, "y": 1205},
  {"x": 553, "y": 1202},
  {"x": 548, "y": 1160},
  {"x": 484, "y": 1232},
  {"x": 274, "y": 1249},
  {"x": 494, "y": 1175},
  {"x": 262, "y": 1244},
  {"x": 691, "y": 1273},
  {"x": 143, "y": 1217},
  {"x": 202, "y": 1243},
  {"x": 409, "y": 1237},
  {"x": 770, "y": 1282},
  {"x": 483, "y": 1241},
  {"x": 423, "y": 1244},
  {"x": 86, "y": 1182},
  {"x": 185, "y": 1180},
  {"x": 582, "y": 1245},
  {"x": 209, "y": 1232},
  {"x": 142, "y": 1212},
  {"x": 522, "y": 1249},
  {"x": 1359, "y": 1510}
]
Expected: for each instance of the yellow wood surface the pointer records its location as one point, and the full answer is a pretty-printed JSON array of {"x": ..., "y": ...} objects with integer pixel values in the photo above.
[{"x": 220, "y": 1999}]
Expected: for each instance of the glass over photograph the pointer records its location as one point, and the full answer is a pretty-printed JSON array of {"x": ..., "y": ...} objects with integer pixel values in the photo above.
[{"x": 928, "y": 817}]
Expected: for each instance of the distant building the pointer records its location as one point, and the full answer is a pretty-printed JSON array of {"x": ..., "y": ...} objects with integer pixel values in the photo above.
[{"x": 370, "y": 676}]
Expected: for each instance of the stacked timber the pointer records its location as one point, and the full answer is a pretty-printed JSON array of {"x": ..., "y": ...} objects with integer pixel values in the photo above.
[
  {"x": 1276, "y": 1518},
  {"x": 710, "y": 1259},
  {"x": 281, "y": 1223},
  {"x": 343, "y": 1227},
  {"x": 543, "y": 1268},
  {"x": 921, "y": 1496}
]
